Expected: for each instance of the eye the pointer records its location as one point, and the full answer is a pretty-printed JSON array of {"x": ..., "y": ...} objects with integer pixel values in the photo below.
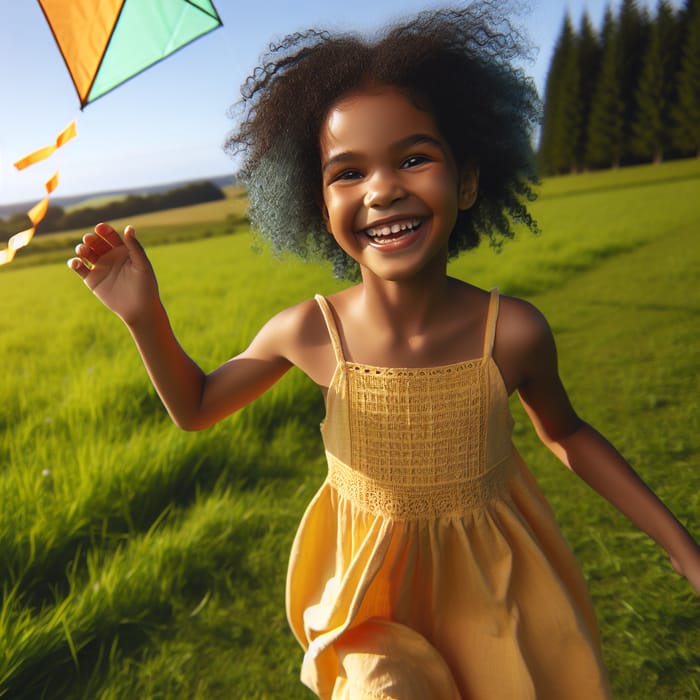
[
  {"x": 414, "y": 161},
  {"x": 344, "y": 175},
  {"x": 349, "y": 175}
]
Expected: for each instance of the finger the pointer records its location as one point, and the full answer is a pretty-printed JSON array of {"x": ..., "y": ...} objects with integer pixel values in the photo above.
[
  {"x": 106, "y": 232},
  {"x": 79, "y": 267},
  {"x": 96, "y": 243},
  {"x": 87, "y": 254},
  {"x": 136, "y": 251}
]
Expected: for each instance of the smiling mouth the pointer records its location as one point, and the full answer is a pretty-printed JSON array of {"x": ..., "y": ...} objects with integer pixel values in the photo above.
[{"x": 389, "y": 233}]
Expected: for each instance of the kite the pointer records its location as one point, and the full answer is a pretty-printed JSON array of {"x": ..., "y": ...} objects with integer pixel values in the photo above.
[{"x": 103, "y": 45}]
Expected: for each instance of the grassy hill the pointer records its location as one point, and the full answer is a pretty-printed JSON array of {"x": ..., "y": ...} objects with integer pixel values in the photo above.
[
  {"x": 98, "y": 198},
  {"x": 141, "y": 561},
  {"x": 218, "y": 218}
]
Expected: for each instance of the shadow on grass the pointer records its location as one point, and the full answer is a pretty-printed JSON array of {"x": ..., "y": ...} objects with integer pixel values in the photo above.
[
  {"x": 270, "y": 445},
  {"x": 124, "y": 629},
  {"x": 685, "y": 309},
  {"x": 617, "y": 187}
]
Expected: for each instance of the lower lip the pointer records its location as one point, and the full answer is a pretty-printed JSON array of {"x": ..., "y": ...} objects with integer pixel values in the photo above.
[{"x": 397, "y": 243}]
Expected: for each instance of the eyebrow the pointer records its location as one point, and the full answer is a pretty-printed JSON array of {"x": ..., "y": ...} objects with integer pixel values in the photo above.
[{"x": 412, "y": 140}]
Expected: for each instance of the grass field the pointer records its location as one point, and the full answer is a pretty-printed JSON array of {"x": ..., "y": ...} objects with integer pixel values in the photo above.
[{"x": 141, "y": 561}]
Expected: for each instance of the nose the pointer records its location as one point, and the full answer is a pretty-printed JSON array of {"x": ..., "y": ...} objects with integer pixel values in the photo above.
[{"x": 384, "y": 188}]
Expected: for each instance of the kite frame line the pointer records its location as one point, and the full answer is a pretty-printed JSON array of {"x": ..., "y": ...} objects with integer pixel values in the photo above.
[{"x": 38, "y": 211}]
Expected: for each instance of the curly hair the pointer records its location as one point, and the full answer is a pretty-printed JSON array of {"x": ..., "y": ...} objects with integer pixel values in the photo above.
[{"x": 457, "y": 63}]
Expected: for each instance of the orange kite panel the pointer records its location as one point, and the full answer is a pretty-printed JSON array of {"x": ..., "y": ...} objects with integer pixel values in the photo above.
[{"x": 82, "y": 29}]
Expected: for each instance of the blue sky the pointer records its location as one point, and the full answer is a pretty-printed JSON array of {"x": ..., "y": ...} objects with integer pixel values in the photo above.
[{"x": 169, "y": 123}]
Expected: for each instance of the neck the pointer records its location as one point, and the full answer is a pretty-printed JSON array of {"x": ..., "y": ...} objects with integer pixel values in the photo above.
[{"x": 407, "y": 306}]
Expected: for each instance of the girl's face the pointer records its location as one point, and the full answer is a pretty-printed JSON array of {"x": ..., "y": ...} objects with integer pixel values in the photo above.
[{"x": 391, "y": 190}]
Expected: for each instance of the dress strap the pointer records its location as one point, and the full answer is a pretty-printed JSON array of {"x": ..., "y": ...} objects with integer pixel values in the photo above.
[
  {"x": 491, "y": 318},
  {"x": 332, "y": 327}
]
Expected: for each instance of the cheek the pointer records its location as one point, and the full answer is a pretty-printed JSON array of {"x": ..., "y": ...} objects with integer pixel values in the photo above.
[
  {"x": 443, "y": 193},
  {"x": 337, "y": 207}
]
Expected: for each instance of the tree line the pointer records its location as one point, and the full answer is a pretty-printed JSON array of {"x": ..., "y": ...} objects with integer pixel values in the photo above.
[
  {"x": 629, "y": 94},
  {"x": 58, "y": 219}
]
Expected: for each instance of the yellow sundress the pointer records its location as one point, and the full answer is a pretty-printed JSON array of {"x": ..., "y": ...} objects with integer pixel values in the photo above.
[{"x": 429, "y": 566}]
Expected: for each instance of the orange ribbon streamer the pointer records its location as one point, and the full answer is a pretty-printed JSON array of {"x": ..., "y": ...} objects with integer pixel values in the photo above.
[
  {"x": 66, "y": 135},
  {"x": 38, "y": 211}
]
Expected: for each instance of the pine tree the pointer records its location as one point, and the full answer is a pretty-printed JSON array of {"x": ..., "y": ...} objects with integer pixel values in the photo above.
[
  {"x": 551, "y": 87},
  {"x": 567, "y": 135},
  {"x": 651, "y": 127},
  {"x": 550, "y": 118},
  {"x": 633, "y": 29},
  {"x": 686, "y": 113},
  {"x": 561, "y": 126},
  {"x": 604, "y": 146},
  {"x": 675, "y": 50},
  {"x": 589, "y": 57}
]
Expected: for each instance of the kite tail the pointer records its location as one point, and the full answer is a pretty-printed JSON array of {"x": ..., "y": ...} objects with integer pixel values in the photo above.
[{"x": 38, "y": 211}]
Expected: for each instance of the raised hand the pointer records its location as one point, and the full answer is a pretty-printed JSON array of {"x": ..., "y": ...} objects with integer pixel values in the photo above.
[{"x": 117, "y": 271}]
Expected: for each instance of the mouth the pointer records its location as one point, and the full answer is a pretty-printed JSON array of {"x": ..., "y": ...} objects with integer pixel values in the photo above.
[{"x": 393, "y": 232}]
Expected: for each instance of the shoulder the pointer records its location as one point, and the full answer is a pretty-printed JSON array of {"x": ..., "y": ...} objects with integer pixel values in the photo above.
[
  {"x": 301, "y": 321},
  {"x": 299, "y": 335},
  {"x": 521, "y": 323},
  {"x": 297, "y": 316},
  {"x": 524, "y": 346}
]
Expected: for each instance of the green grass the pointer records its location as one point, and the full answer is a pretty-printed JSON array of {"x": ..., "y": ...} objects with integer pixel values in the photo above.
[
  {"x": 628, "y": 339},
  {"x": 140, "y": 561}
]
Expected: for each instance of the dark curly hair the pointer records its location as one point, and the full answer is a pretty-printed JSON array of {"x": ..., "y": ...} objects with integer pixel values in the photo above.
[{"x": 457, "y": 63}]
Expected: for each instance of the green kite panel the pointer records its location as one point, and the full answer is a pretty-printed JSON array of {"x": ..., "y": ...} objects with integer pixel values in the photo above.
[{"x": 146, "y": 32}]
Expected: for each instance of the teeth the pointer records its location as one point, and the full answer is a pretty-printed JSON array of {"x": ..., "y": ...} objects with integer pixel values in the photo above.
[{"x": 393, "y": 228}]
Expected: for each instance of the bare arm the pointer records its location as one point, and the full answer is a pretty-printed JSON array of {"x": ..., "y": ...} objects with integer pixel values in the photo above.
[
  {"x": 599, "y": 464},
  {"x": 588, "y": 454},
  {"x": 120, "y": 275}
]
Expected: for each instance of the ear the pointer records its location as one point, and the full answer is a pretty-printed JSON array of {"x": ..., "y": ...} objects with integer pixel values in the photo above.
[{"x": 468, "y": 186}]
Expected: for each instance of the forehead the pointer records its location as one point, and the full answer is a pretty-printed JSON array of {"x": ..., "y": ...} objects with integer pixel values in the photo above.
[{"x": 374, "y": 118}]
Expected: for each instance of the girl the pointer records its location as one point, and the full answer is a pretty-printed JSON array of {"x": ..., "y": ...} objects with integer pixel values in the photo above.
[{"x": 429, "y": 564}]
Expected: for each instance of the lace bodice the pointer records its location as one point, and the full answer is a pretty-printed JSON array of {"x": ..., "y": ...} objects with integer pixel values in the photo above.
[{"x": 412, "y": 443}]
